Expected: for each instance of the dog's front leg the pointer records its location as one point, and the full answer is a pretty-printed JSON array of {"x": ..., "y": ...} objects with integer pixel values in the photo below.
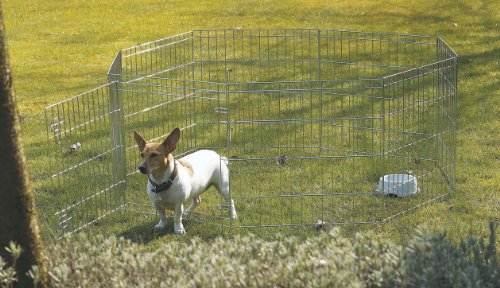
[
  {"x": 163, "y": 218},
  {"x": 178, "y": 227}
]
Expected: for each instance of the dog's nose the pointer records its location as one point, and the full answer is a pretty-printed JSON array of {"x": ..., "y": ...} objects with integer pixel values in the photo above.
[{"x": 143, "y": 169}]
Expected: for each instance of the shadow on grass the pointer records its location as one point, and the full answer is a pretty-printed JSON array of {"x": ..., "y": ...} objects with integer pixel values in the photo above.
[{"x": 145, "y": 233}]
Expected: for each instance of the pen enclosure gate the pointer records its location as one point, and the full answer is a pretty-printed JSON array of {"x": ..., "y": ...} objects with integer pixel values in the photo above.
[{"x": 309, "y": 120}]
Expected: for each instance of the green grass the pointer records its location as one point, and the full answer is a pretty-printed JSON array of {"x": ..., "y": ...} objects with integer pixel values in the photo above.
[{"x": 56, "y": 53}]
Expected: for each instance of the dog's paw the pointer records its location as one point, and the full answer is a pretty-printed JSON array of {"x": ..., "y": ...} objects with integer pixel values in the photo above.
[
  {"x": 160, "y": 225},
  {"x": 179, "y": 230},
  {"x": 234, "y": 215}
]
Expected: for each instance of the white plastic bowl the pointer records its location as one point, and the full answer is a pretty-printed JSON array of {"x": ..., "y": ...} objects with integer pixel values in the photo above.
[{"x": 401, "y": 185}]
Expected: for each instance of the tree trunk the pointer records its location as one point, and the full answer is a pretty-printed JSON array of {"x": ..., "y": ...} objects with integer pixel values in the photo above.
[{"x": 18, "y": 221}]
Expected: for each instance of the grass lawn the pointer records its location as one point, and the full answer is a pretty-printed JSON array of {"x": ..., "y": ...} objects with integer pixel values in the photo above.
[{"x": 63, "y": 48}]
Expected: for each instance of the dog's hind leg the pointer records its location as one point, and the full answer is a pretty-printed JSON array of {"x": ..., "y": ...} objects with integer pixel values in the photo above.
[
  {"x": 223, "y": 187},
  {"x": 196, "y": 201}
]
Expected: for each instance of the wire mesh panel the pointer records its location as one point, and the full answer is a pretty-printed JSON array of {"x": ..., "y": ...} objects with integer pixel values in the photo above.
[
  {"x": 309, "y": 119},
  {"x": 84, "y": 186}
]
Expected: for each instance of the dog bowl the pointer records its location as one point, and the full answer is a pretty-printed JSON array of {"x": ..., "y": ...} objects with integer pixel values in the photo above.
[{"x": 400, "y": 185}]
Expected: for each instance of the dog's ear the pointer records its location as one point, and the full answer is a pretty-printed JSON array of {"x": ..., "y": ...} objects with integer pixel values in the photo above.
[
  {"x": 141, "y": 143},
  {"x": 171, "y": 142}
]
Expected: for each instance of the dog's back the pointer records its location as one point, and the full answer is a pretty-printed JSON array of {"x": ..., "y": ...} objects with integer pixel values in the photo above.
[{"x": 208, "y": 167}]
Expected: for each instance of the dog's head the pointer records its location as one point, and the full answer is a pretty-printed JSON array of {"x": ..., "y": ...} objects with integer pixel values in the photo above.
[{"x": 155, "y": 156}]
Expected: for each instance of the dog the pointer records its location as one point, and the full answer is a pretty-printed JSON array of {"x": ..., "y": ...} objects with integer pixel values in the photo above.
[{"x": 173, "y": 182}]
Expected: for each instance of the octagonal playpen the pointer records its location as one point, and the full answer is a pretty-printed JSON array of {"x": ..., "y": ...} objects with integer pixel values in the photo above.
[{"x": 310, "y": 120}]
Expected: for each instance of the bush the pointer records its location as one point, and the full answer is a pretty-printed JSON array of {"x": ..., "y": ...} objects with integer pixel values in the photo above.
[
  {"x": 432, "y": 261},
  {"x": 326, "y": 260}
]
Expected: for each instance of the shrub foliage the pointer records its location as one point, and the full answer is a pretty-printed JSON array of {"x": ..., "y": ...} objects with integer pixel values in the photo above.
[{"x": 325, "y": 260}]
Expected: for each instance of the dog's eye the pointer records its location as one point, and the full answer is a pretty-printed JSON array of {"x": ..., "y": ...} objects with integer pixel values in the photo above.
[{"x": 153, "y": 155}]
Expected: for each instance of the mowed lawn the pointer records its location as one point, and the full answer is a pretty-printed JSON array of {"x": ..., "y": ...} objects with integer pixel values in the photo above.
[{"x": 63, "y": 48}]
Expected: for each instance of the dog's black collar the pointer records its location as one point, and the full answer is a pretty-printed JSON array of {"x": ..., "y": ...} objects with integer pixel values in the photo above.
[{"x": 165, "y": 185}]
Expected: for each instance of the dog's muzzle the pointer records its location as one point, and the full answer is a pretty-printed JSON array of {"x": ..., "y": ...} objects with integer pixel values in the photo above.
[{"x": 143, "y": 169}]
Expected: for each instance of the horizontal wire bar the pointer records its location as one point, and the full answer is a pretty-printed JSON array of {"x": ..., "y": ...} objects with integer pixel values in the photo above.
[
  {"x": 74, "y": 128},
  {"x": 185, "y": 34},
  {"x": 302, "y": 195},
  {"x": 85, "y": 162},
  {"x": 86, "y": 199},
  {"x": 81, "y": 95},
  {"x": 385, "y": 220},
  {"x": 93, "y": 221}
]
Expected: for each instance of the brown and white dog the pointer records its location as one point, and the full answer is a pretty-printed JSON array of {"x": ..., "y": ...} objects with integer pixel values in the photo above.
[{"x": 172, "y": 182}]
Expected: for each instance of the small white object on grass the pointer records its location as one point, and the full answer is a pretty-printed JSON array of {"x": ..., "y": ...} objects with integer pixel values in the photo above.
[
  {"x": 75, "y": 147},
  {"x": 400, "y": 185}
]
